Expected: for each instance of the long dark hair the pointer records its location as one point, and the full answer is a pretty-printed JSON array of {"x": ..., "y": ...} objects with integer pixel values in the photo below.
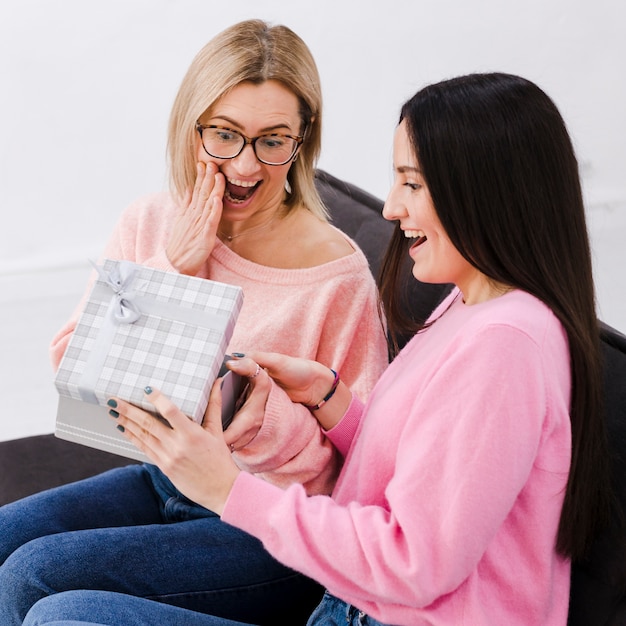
[{"x": 502, "y": 173}]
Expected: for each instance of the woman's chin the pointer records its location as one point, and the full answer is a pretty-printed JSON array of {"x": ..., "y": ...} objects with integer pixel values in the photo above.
[{"x": 421, "y": 274}]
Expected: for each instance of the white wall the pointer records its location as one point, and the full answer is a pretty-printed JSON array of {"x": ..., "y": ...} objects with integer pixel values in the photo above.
[
  {"x": 87, "y": 87},
  {"x": 85, "y": 93}
]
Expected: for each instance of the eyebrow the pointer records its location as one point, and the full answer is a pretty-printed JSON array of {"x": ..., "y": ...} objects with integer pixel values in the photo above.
[
  {"x": 406, "y": 169},
  {"x": 267, "y": 129}
]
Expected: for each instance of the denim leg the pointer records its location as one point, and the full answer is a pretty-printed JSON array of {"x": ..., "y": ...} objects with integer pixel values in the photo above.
[
  {"x": 335, "y": 612},
  {"x": 38, "y": 534},
  {"x": 80, "y": 608},
  {"x": 195, "y": 561},
  {"x": 119, "y": 497}
]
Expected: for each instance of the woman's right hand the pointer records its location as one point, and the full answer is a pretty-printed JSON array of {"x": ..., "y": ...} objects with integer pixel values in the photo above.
[
  {"x": 303, "y": 380},
  {"x": 195, "y": 229}
]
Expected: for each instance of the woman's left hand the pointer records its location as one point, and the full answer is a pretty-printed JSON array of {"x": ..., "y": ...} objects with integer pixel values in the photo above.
[
  {"x": 195, "y": 458},
  {"x": 249, "y": 417}
]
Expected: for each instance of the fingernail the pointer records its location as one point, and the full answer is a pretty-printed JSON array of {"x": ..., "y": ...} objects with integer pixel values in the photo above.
[
  {"x": 148, "y": 390},
  {"x": 112, "y": 403},
  {"x": 113, "y": 413},
  {"x": 120, "y": 428},
  {"x": 238, "y": 355}
]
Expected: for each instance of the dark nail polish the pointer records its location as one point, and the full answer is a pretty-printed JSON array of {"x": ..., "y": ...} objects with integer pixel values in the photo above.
[
  {"x": 120, "y": 428},
  {"x": 113, "y": 413},
  {"x": 112, "y": 403},
  {"x": 238, "y": 355},
  {"x": 148, "y": 390}
]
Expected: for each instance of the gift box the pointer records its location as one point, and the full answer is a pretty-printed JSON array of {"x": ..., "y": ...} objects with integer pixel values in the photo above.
[{"x": 141, "y": 326}]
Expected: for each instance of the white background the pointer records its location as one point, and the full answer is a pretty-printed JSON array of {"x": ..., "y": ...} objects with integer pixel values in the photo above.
[{"x": 87, "y": 88}]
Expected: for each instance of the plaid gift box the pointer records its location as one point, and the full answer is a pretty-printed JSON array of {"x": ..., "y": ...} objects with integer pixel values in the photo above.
[{"x": 145, "y": 326}]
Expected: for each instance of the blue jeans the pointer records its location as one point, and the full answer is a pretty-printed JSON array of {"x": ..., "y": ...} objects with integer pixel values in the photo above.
[
  {"x": 129, "y": 531},
  {"x": 109, "y": 609}
]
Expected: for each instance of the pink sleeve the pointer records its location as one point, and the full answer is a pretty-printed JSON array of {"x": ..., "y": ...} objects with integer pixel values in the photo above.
[
  {"x": 342, "y": 434},
  {"x": 433, "y": 522},
  {"x": 291, "y": 448}
]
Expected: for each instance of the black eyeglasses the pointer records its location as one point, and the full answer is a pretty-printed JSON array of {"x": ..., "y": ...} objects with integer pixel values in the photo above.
[{"x": 225, "y": 143}]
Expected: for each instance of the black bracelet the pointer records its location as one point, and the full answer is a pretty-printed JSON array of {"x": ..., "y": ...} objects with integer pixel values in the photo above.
[{"x": 328, "y": 396}]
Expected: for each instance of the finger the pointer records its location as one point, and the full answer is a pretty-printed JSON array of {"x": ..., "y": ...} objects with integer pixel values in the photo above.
[
  {"x": 219, "y": 184},
  {"x": 200, "y": 171},
  {"x": 213, "y": 216},
  {"x": 244, "y": 366},
  {"x": 137, "y": 425},
  {"x": 249, "y": 419},
  {"x": 213, "y": 414},
  {"x": 140, "y": 439},
  {"x": 131, "y": 415},
  {"x": 271, "y": 362},
  {"x": 167, "y": 409},
  {"x": 206, "y": 185}
]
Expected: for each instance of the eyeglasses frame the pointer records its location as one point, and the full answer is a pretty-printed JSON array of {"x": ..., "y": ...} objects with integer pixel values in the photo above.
[{"x": 250, "y": 140}]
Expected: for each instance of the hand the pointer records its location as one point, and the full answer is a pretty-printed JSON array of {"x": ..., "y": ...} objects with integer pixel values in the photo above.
[
  {"x": 249, "y": 418},
  {"x": 303, "y": 380},
  {"x": 195, "y": 229},
  {"x": 195, "y": 458}
]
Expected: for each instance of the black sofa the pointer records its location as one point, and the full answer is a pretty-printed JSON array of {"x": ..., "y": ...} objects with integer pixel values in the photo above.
[{"x": 598, "y": 595}]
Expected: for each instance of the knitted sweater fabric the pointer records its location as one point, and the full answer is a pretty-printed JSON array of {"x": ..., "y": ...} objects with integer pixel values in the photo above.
[
  {"x": 328, "y": 313},
  {"x": 447, "y": 507}
]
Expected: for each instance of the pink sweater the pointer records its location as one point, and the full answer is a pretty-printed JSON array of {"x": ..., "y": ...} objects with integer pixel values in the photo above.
[
  {"x": 328, "y": 313},
  {"x": 447, "y": 507}
]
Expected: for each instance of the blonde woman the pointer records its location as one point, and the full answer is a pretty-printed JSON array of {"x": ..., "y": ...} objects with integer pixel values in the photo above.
[{"x": 244, "y": 137}]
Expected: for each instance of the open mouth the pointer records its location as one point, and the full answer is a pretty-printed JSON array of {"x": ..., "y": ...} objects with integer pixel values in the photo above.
[
  {"x": 238, "y": 191},
  {"x": 418, "y": 235}
]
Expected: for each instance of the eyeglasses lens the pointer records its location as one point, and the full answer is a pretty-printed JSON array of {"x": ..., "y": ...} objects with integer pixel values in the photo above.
[{"x": 227, "y": 144}]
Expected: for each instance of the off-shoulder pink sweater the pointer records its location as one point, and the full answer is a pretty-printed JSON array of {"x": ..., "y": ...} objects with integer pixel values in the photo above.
[
  {"x": 328, "y": 313},
  {"x": 447, "y": 507}
]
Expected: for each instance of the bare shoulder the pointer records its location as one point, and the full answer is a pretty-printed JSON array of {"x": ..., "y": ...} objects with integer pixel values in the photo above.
[{"x": 322, "y": 243}]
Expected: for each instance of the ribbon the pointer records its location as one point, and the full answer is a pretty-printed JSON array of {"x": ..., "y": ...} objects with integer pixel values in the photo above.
[
  {"x": 126, "y": 306},
  {"x": 123, "y": 307}
]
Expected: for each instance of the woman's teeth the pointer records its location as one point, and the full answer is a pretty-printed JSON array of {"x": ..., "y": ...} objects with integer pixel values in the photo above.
[
  {"x": 413, "y": 234},
  {"x": 238, "y": 191},
  {"x": 242, "y": 183}
]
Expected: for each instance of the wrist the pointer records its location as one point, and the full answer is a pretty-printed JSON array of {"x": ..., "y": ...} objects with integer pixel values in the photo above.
[
  {"x": 328, "y": 396},
  {"x": 216, "y": 501},
  {"x": 333, "y": 411}
]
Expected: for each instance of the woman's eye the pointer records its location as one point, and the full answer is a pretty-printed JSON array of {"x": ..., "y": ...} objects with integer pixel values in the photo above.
[
  {"x": 413, "y": 186},
  {"x": 272, "y": 142},
  {"x": 225, "y": 136}
]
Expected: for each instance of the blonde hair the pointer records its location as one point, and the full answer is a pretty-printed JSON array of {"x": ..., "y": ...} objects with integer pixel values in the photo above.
[{"x": 250, "y": 51}]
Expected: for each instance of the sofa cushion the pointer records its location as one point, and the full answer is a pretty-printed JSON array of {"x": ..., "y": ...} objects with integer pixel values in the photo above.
[{"x": 32, "y": 464}]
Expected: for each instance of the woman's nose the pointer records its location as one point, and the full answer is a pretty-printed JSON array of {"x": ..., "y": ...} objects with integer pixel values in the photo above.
[
  {"x": 246, "y": 160},
  {"x": 392, "y": 209}
]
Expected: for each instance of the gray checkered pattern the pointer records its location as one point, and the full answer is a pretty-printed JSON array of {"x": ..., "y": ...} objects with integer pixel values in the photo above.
[{"x": 178, "y": 356}]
